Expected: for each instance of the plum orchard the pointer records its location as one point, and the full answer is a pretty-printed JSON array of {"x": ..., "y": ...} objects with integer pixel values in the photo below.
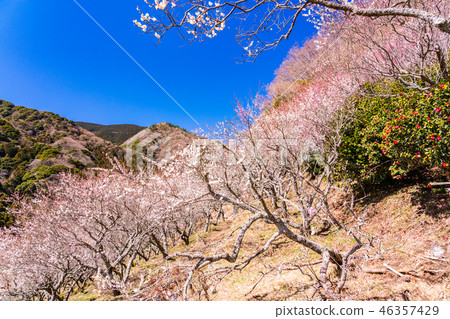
[
  {"x": 89, "y": 228},
  {"x": 278, "y": 166},
  {"x": 94, "y": 228}
]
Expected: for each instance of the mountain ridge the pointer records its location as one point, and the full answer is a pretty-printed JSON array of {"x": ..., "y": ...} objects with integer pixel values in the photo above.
[
  {"x": 158, "y": 142},
  {"x": 115, "y": 133}
]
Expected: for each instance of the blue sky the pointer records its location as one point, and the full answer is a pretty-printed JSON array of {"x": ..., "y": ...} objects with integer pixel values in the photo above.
[{"x": 54, "y": 58}]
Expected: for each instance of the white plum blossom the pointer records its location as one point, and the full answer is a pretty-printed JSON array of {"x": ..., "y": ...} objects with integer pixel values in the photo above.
[
  {"x": 147, "y": 18},
  {"x": 140, "y": 25},
  {"x": 191, "y": 19},
  {"x": 161, "y": 5},
  {"x": 247, "y": 48},
  {"x": 207, "y": 19}
]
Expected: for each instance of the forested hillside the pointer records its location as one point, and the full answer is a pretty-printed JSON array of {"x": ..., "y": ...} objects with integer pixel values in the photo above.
[{"x": 36, "y": 145}]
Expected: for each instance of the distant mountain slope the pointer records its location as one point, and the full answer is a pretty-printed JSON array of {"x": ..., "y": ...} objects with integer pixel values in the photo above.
[
  {"x": 117, "y": 133},
  {"x": 35, "y": 145},
  {"x": 159, "y": 141}
]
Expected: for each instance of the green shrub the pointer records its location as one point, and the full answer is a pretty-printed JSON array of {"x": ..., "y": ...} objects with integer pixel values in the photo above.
[
  {"x": 6, "y": 220},
  {"x": 56, "y": 169},
  {"x": 49, "y": 153},
  {"x": 8, "y": 163},
  {"x": 25, "y": 154},
  {"x": 28, "y": 176},
  {"x": 9, "y": 149},
  {"x": 396, "y": 134},
  {"x": 39, "y": 126},
  {"x": 4, "y": 103},
  {"x": 57, "y": 137},
  {"x": 17, "y": 174},
  {"x": 44, "y": 171},
  {"x": 76, "y": 163},
  {"x": 21, "y": 116},
  {"x": 8, "y": 131},
  {"x": 27, "y": 187},
  {"x": 33, "y": 118}
]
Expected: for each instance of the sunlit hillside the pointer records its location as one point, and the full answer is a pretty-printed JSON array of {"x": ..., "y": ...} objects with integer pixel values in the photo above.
[{"x": 330, "y": 184}]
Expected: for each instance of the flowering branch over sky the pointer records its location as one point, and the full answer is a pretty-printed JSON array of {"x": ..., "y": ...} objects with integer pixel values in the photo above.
[{"x": 262, "y": 25}]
